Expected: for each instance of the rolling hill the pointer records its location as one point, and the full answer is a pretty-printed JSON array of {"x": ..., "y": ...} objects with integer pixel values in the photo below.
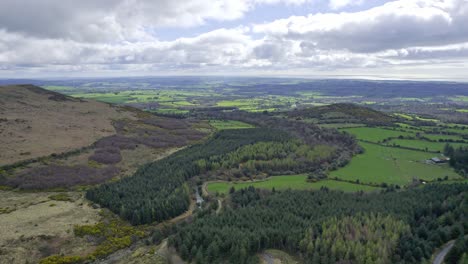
[
  {"x": 35, "y": 122},
  {"x": 343, "y": 113}
]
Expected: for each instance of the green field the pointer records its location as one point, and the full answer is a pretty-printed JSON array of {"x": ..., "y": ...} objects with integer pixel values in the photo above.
[
  {"x": 171, "y": 111},
  {"x": 422, "y": 145},
  {"x": 229, "y": 124},
  {"x": 460, "y": 98},
  {"x": 405, "y": 116},
  {"x": 58, "y": 88},
  {"x": 389, "y": 165},
  {"x": 166, "y": 98},
  {"x": 375, "y": 134},
  {"x": 297, "y": 182},
  {"x": 457, "y": 130},
  {"x": 341, "y": 125}
]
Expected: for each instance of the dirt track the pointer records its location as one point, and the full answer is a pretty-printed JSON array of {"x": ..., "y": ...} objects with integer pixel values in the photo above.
[{"x": 439, "y": 259}]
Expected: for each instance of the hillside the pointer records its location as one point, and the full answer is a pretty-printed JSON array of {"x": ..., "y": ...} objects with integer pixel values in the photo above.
[
  {"x": 35, "y": 122},
  {"x": 56, "y": 141},
  {"x": 51, "y": 142},
  {"x": 343, "y": 113}
]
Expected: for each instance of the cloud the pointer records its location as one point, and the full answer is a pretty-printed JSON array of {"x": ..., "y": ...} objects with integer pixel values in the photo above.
[
  {"x": 395, "y": 25},
  {"x": 118, "y": 36},
  {"x": 222, "y": 46},
  {"x": 439, "y": 53},
  {"x": 117, "y": 20}
]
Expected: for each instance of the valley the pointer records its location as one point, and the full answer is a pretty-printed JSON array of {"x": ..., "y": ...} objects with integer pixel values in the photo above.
[{"x": 279, "y": 170}]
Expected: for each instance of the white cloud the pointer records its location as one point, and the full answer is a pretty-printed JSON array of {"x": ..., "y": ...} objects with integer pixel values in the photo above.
[
  {"x": 116, "y": 36},
  {"x": 117, "y": 20},
  {"x": 394, "y": 25}
]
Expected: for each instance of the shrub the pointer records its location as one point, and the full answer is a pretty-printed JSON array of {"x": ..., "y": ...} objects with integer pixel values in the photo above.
[
  {"x": 55, "y": 259},
  {"x": 55, "y": 176},
  {"x": 108, "y": 155},
  {"x": 61, "y": 197}
]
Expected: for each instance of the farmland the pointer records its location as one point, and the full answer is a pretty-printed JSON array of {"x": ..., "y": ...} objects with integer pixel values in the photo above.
[
  {"x": 229, "y": 124},
  {"x": 423, "y": 145},
  {"x": 376, "y": 135},
  {"x": 379, "y": 164},
  {"x": 197, "y": 139},
  {"x": 295, "y": 182}
]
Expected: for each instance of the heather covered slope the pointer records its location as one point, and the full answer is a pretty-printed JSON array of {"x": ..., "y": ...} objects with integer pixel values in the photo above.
[
  {"x": 35, "y": 122},
  {"x": 50, "y": 140}
]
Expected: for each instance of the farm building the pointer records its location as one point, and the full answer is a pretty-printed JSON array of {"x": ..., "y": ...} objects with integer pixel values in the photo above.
[{"x": 438, "y": 160}]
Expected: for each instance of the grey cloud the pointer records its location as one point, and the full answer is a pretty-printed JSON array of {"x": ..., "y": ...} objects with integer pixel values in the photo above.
[
  {"x": 395, "y": 25},
  {"x": 271, "y": 50},
  {"x": 110, "y": 20},
  {"x": 82, "y": 20},
  {"x": 104, "y": 36},
  {"x": 434, "y": 53}
]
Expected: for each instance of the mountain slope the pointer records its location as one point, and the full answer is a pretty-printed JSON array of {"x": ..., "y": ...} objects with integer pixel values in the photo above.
[{"x": 35, "y": 122}]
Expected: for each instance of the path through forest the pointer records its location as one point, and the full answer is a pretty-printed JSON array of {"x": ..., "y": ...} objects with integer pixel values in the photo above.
[{"x": 439, "y": 259}]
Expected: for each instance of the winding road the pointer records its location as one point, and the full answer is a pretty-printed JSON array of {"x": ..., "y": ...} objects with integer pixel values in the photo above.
[{"x": 439, "y": 259}]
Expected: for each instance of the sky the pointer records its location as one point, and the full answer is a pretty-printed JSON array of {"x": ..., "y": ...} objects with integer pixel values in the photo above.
[{"x": 400, "y": 39}]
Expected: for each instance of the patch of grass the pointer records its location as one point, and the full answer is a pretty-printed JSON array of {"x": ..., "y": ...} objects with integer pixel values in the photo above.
[
  {"x": 6, "y": 210},
  {"x": 422, "y": 145},
  {"x": 381, "y": 164},
  {"x": 426, "y": 119},
  {"x": 58, "y": 88},
  {"x": 282, "y": 256},
  {"x": 460, "y": 98},
  {"x": 297, "y": 182},
  {"x": 64, "y": 197},
  {"x": 405, "y": 116},
  {"x": 172, "y": 111},
  {"x": 229, "y": 124},
  {"x": 376, "y": 134},
  {"x": 341, "y": 125},
  {"x": 55, "y": 259}
]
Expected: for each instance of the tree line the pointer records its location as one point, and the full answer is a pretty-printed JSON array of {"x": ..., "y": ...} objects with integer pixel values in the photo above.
[{"x": 458, "y": 158}]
